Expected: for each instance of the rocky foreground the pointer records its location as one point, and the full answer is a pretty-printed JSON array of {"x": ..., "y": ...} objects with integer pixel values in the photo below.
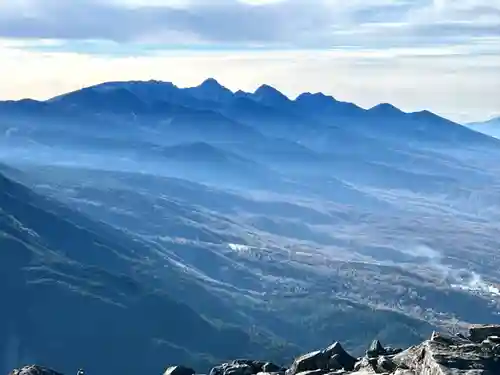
[{"x": 443, "y": 354}]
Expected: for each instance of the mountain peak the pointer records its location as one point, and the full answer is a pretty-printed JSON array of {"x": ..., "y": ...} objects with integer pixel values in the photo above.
[
  {"x": 267, "y": 89},
  {"x": 317, "y": 96},
  {"x": 210, "y": 89},
  {"x": 212, "y": 83},
  {"x": 385, "y": 108},
  {"x": 270, "y": 95}
]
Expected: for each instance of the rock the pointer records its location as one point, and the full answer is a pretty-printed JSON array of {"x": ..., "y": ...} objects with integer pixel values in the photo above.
[
  {"x": 217, "y": 370},
  {"x": 404, "y": 372},
  {"x": 237, "y": 369},
  {"x": 334, "y": 363},
  {"x": 385, "y": 364},
  {"x": 179, "y": 370},
  {"x": 442, "y": 354},
  {"x": 375, "y": 349},
  {"x": 271, "y": 367},
  {"x": 312, "y": 372},
  {"x": 392, "y": 351},
  {"x": 307, "y": 362},
  {"x": 342, "y": 357},
  {"x": 34, "y": 370},
  {"x": 366, "y": 364},
  {"x": 243, "y": 367},
  {"x": 480, "y": 332},
  {"x": 450, "y": 356}
]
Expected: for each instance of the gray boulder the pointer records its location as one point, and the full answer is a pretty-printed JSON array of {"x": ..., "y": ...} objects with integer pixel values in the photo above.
[
  {"x": 375, "y": 349},
  {"x": 308, "y": 362},
  {"x": 341, "y": 356}
]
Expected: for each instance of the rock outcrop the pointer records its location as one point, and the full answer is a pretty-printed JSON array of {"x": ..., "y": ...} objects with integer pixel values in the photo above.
[{"x": 442, "y": 354}]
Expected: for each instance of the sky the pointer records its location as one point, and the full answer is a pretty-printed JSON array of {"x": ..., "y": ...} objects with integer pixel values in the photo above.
[{"x": 440, "y": 55}]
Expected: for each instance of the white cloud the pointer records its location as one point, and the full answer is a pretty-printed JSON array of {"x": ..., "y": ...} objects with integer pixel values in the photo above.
[{"x": 278, "y": 23}]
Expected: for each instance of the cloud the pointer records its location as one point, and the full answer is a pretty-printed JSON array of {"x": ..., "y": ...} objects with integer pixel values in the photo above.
[{"x": 250, "y": 23}]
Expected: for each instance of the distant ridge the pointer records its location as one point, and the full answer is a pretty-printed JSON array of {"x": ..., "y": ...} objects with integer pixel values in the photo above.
[
  {"x": 209, "y": 94},
  {"x": 490, "y": 127}
]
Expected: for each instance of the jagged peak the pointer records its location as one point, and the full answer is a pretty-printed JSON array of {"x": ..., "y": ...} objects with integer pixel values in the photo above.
[
  {"x": 314, "y": 95},
  {"x": 212, "y": 83},
  {"x": 317, "y": 96},
  {"x": 240, "y": 93},
  {"x": 268, "y": 92},
  {"x": 426, "y": 115},
  {"x": 386, "y": 108}
]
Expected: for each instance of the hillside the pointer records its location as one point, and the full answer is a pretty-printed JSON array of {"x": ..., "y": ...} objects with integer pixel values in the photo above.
[{"x": 85, "y": 289}]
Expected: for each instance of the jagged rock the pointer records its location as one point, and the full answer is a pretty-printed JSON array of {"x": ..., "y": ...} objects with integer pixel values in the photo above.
[
  {"x": 480, "y": 332},
  {"x": 334, "y": 363},
  {"x": 238, "y": 369},
  {"x": 404, "y": 372},
  {"x": 385, "y": 364},
  {"x": 246, "y": 367},
  {"x": 307, "y": 362},
  {"x": 375, "y": 349},
  {"x": 271, "y": 367},
  {"x": 341, "y": 356},
  {"x": 442, "y": 354},
  {"x": 179, "y": 370},
  {"x": 450, "y": 355},
  {"x": 367, "y": 365},
  {"x": 34, "y": 370},
  {"x": 312, "y": 372},
  {"x": 449, "y": 339},
  {"x": 332, "y": 358},
  {"x": 392, "y": 351}
]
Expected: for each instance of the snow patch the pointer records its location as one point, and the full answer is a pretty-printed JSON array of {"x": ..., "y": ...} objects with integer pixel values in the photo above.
[{"x": 238, "y": 247}]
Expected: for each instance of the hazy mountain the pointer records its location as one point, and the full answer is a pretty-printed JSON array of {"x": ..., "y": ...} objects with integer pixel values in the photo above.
[
  {"x": 298, "y": 221},
  {"x": 490, "y": 127}
]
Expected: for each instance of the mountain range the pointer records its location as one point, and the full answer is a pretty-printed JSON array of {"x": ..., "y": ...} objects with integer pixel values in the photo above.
[{"x": 143, "y": 223}]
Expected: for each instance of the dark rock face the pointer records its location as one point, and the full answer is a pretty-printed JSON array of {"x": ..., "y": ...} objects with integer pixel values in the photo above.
[
  {"x": 479, "y": 332},
  {"x": 442, "y": 354}
]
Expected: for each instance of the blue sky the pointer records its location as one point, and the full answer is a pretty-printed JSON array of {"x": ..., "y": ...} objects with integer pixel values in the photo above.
[{"x": 443, "y": 55}]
